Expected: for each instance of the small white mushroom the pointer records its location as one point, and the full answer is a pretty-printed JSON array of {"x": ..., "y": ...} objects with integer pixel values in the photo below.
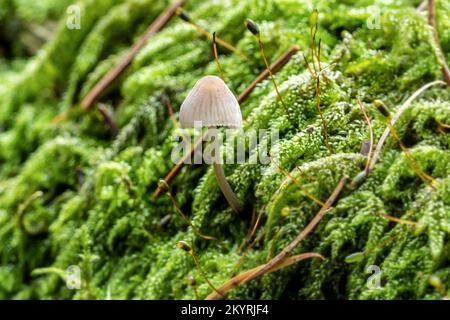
[{"x": 212, "y": 104}]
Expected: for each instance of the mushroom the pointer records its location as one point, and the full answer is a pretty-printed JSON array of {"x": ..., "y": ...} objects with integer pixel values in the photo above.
[{"x": 212, "y": 104}]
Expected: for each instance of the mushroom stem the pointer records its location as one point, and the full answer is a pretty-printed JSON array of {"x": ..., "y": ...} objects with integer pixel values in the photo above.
[
  {"x": 226, "y": 189},
  {"x": 222, "y": 180}
]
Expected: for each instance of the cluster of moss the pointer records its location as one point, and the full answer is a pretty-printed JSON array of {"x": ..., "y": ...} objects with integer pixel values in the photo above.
[{"x": 71, "y": 193}]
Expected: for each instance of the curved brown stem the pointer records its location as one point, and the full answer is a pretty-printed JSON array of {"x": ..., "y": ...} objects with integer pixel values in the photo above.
[{"x": 395, "y": 117}]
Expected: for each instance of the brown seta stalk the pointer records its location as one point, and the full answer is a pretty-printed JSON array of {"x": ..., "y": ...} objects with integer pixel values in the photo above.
[
  {"x": 276, "y": 66},
  {"x": 304, "y": 191},
  {"x": 165, "y": 187},
  {"x": 216, "y": 57},
  {"x": 108, "y": 118},
  {"x": 393, "y": 119},
  {"x": 186, "y": 18},
  {"x": 169, "y": 106},
  {"x": 316, "y": 73},
  {"x": 279, "y": 260},
  {"x": 254, "y": 29},
  {"x": 106, "y": 81}
]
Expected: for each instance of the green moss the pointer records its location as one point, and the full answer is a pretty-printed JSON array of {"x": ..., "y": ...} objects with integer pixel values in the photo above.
[{"x": 96, "y": 206}]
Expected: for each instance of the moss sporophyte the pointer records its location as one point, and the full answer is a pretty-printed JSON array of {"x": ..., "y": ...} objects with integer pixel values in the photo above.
[{"x": 89, "y": 119}]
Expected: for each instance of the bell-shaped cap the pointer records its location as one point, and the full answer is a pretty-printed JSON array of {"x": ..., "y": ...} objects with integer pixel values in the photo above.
[{"x": 212, "y": 103}]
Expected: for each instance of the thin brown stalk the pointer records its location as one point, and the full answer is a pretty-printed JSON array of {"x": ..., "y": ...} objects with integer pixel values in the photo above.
[
  {"x": 177, "y": 168},
  {"x": 436, "y": 282},
  {"x": 278, "y": 260},
  {"x": 247, "y": 250},
  {"x": 369, "y": 125},
  {"x": 61, "y": 117},
  {"x": 315, "y": 55},
  {"x": 108, "y": 119},
  {"x": 170, "y": 110},
  {"x": 254, "y": 227},
  {"x": 322, "y": 118},
  {"x": 106, "y": 81},
  {"x": 304, "y": 191},
  {"x": 276, "y": 66},
  {"x": 422, "y": 174},
  {"x": 272, "y": 78},
  {"x": 318, "y": 55},
  {"x": 247, "y": 275},
  {"x": 185, "y": 17},
  {"x": 200, "y": 269},
  {"x": 193, "y": 283},
  {"x": 397, "y": 220},
  {"x": 216, "y": 57},
  {"x": 394, "y": 119},
  {"x": 443, "y": 125},
  {"x": 186, "y": 219},
  {"x": 310, "y": 70},
  {"x": 313, "y": 32},
  {"x": 386, "y": 242},
  {"x": 432, "y": 22},
  {"x": 21, "y": 211},
  {"x": 248, "y": 236}
]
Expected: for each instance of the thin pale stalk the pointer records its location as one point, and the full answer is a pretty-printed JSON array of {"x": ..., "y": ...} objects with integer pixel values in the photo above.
[{"x": 395, "y": 118}]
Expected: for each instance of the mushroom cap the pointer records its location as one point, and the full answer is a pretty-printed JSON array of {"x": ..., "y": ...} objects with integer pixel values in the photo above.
[{"x": 212, "y": 103}]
